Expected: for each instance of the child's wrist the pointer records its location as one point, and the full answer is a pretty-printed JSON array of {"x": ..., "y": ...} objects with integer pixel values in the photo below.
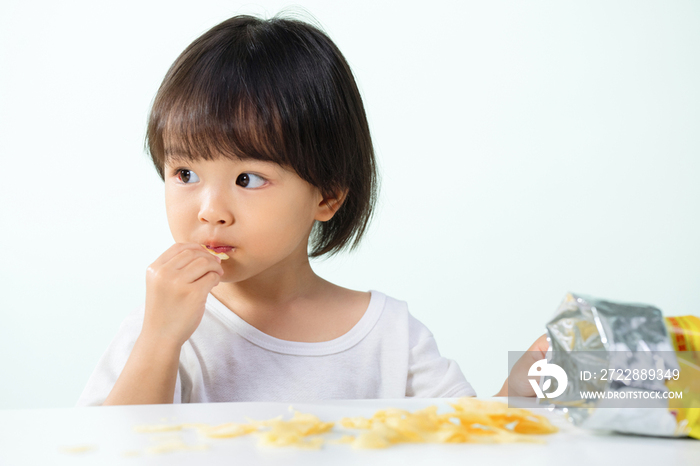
[{"x": 157, "y": 342}]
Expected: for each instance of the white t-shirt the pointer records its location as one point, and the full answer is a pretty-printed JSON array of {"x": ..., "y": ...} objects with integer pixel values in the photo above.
[{"x": 387, "y": 354}]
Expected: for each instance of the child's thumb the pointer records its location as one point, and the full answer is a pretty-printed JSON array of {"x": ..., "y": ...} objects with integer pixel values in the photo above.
[{"x": 539, "y": 347}]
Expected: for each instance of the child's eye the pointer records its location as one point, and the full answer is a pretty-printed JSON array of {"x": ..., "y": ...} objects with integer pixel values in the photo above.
[
  {"x": 187, "y": 176},
  {"x": 249, "y": 180}
]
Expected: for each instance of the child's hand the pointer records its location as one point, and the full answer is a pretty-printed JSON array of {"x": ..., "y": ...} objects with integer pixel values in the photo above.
[
  {"x": 177, "y": 285},
  {"x": 519, "y": 385}
]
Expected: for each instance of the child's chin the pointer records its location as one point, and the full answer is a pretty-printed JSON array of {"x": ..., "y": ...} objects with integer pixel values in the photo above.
[{"x": 229, "y": 277}]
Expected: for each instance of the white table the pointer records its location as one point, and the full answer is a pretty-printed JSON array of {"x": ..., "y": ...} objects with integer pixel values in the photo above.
[{"x": 40, "y": 437}]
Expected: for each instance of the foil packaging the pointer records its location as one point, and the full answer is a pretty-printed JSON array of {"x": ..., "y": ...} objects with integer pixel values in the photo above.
[{"x": 588, "y": 334}]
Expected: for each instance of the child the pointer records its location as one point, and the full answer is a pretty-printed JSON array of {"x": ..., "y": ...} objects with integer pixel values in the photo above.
[{"x": 259, "y": 133}]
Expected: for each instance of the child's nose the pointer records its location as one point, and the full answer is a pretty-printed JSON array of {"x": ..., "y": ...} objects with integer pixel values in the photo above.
[{"x": 215, "y": 215}]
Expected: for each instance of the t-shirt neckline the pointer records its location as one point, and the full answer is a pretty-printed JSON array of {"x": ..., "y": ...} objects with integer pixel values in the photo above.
[{"x": 301, "y": 348}]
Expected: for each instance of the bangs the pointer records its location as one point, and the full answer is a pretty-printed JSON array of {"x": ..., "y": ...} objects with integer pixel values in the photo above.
[
  {"x": 250, "y": 89},
  {"x": 191, "y": 121}
]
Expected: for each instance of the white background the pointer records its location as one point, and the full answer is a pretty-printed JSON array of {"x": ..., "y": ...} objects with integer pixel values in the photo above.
[{"x": 526, "y": 149}]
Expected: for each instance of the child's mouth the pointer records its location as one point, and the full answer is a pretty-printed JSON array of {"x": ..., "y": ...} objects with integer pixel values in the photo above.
[{"x": 221, "y": 249}]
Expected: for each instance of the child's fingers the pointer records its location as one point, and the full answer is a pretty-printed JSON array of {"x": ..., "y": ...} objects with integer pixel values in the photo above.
[
  {"x": 209, "y": 279},
  {"x": 198, "y": 268},
  {"x": 175, "y": 250},
  {"x": 188, "y": 255},
  {"x": 541, "y": 345}
]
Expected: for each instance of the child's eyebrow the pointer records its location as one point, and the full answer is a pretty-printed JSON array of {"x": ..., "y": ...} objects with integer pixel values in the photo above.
[
  {"x": 267, "y": 163},
  {"x": 172, "y": 158},
  {"x": 266, "y": 166}
]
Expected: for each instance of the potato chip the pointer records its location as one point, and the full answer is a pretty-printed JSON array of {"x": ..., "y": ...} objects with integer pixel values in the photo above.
[
  {"x": 228, "y": 430},
  {"x": 296, "y": 431},
  {"x": 77, "y": 449},
  {"x": 221, "y": 255}
]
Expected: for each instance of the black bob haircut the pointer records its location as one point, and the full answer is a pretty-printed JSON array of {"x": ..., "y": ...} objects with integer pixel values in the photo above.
[{"x": 276, "y": 90}]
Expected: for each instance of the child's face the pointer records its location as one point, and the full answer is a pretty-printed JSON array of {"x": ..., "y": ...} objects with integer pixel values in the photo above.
[{"x": 263, "y": 210}]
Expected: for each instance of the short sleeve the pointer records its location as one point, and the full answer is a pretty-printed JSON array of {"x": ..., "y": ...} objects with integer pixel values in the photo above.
[
  {"x": 429, "y": 374},
  {"x": 112, "y": 363}
]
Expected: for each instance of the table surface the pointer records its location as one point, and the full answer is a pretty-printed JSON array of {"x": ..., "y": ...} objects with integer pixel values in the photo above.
[{"x": 45, "y": 436}]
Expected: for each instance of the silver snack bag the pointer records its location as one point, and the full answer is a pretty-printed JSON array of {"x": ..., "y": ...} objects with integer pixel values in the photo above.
[{"x": 619, "y": 361}]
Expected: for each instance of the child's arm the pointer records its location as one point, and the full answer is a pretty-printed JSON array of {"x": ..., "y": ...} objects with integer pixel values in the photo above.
[
  {"x": 519, "y": 384},
  {"x": 177, "y": 285},
  {"x": 149, "y": 375}
]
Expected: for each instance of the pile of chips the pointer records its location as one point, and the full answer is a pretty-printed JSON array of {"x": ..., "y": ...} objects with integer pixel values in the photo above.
[{"x": 472, "y": 421}]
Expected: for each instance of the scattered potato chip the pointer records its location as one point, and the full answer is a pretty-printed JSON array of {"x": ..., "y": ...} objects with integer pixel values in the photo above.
[
  {"x": 227, "y": 430},
  {"x": 77, "y": 449},
  {"x": 296, "y": 431},
  {"x": 472, "y": 421},
  {"x": 501, "y": 415}
]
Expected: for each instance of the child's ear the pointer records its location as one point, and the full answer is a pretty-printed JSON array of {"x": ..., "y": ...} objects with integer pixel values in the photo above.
[{"x": 330, "y": 205}]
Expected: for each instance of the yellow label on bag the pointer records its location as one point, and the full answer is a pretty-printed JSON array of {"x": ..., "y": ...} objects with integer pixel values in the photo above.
[{"x": 684, "y": 333}]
